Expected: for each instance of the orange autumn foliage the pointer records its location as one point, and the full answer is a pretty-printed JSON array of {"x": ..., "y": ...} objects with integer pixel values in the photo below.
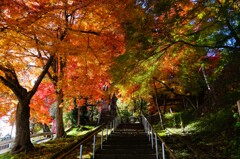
[{"x": 42, "y": 102}]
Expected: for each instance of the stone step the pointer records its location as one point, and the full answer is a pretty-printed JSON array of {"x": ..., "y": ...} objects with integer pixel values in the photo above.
[
  {"x": 108, "y": 146},
  {"x": 127, "y": 138},
  {"x": 146, "y": 150},
  {"x": 130, "y": 129},
  {"x": 124, "y": 134},
  {"x": 125, "y": 156},
  {"x": 131, "y": 126},
  {"x": 128, "y": 141}
]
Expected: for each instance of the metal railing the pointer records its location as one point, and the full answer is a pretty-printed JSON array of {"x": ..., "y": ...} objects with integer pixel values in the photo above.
[
  {"x": 109, "y": 128},
  {"x": 154, "y": 137},
  {"x": 9, "y": 143}
]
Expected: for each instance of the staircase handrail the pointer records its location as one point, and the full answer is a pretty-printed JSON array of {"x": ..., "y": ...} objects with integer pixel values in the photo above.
[
  {"x": 150, "y": 131},
  {"x": 110, "y": 127}
]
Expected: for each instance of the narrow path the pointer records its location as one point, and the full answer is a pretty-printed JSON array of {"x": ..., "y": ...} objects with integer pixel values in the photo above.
[{"x": 128, "y": 141}]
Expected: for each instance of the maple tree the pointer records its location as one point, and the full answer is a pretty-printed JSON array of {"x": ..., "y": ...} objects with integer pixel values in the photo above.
[
  {"x": 17, "y": 51},
  {"x": 41, "y": 103},
  {"x": 74, "y": 43},
  {"x": 47, "y": 34},
  {"x": 91, "y": 40},
  {"x": 177, "y": 37},
  {"x": 208, "y": 32}
]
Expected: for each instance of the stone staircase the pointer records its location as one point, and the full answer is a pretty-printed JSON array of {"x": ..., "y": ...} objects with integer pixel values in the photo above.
[
  {"x": 105, "y": 116},
  {"x": 128, "y": 141}
]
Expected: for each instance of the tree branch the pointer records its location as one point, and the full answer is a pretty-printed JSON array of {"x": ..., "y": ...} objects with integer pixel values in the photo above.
[
  {"x": 208, "y": 46},
  {"x": 86, "y": 31},
  {"x": 11, "y": 81},
  {"x": 172, "y": 91},
  {"x": 8, "y": 84},
  {"x": 233, "y": 32},
  {"x": 3, "y": 28},
  {"x": 41, "y": 76}
]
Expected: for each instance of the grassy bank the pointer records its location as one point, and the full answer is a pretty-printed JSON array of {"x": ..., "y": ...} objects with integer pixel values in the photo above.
[
  {"x": 211, "y": 135},
  {"x": 48, "y": 149}
]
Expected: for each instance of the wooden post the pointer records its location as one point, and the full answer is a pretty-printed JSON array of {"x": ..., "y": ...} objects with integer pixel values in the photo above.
[{"x": 238, "y": 105}]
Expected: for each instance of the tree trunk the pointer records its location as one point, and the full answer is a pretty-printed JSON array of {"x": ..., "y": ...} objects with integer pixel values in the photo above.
[
  {"x": 79, "y": 117},
  {"x": 46, "y": 129},
  {"x": 181, "y": 123},
  {"x": 159, "y": 113},
  {"x": 174, "y": 118},
  {"x": 58, "y": 66},
  {"x": 238, "y": 105},
  {"x": 197, "y": 103},
  {"x": 59, "y": 123},
  {"x": 164, "y": 106},
  {"x": 205, "y": 77},
  {"x": 156, "y": 103},
  {"x": 59, "y": 117},
  {"x": 22, "y": 140}
]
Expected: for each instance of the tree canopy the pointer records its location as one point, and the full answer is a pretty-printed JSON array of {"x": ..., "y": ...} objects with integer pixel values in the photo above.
[
  {"x": 57, "y": 51},
  {"x": 177, "y": 43}
]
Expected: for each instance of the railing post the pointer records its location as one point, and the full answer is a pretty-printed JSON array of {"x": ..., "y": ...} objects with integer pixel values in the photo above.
[
  {"x": 110, "y": 127},
  {"x": 80, "y": 151},
  {"x": 101, "y": 139},
  {"x": 107, "y": 132},
  {"x": 113, "y": 125},
  {"x": 149, "y": 135},
  {"x": 163, "y": 151},
  {"x": 94, "y": 145},
  {"x": 156, "y": 145},
  {"x": 145, "y": 124},
  {"x": 152, "y": 138}
]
